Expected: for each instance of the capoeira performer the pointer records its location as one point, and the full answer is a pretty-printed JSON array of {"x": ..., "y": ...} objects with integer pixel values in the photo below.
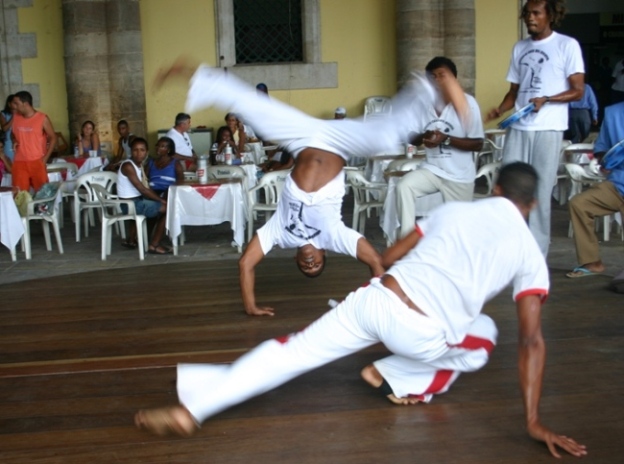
[
  {"x": 308, "y": 214},
  {"x": 426, "y": 309}
]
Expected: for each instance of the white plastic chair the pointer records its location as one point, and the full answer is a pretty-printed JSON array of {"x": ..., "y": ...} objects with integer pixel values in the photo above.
[
  {"x": 487, "y": 152},
  {"x": 35, "y": 212},
  {"x": 363, "y": 203},
  {"x": 85, "y": 199},
  {"x": 490, "y": 172},
  {"x": 112, "y": 214},
  {"x": 68, "y": 185},
  {"x": 272, "y": 183},
  {"x": 376, "y": 105}
]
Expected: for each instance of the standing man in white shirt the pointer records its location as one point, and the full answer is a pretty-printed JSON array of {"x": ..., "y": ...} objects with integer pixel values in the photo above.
[
  {"x": 546, "y": 69},
  {"x": 183, "y": 146},
  {"x": 449, "y": 144}
]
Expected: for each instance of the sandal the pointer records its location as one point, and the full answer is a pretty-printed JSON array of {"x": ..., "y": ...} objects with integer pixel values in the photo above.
[
  {"x": 158, "y": 250},
  {"x": 128, "y": 244}
]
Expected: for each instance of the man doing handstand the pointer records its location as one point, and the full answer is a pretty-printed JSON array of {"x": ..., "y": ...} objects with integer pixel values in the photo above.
[{"x": 308, "y": 213}]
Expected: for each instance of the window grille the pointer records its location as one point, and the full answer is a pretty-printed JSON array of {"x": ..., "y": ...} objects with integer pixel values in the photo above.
[{"x": 268, "y": 31}]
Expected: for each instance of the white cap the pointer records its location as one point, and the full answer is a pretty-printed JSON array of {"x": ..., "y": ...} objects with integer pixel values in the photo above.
[{"x": 341, "y": 110}]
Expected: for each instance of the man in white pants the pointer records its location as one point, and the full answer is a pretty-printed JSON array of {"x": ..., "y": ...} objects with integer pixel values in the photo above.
[
  {"x": 547, "y": 70},
  {"x": 425, "y": 309},
  {"x": 308, "y": 216},
  {"x": 449, "y": 145}
]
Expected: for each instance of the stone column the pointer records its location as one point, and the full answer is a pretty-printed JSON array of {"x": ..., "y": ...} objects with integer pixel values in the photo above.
[
  {"x": 428, "y": 28},
  {"x": 104, "y": 65}
]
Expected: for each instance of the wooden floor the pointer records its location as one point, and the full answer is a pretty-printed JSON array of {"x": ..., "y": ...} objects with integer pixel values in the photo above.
[{"x": 80, "y": 354}]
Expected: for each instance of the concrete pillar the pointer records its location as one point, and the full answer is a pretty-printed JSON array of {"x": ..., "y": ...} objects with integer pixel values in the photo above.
[
  {"x": 428, "y": 28},
  {"x": 104, "y": 65}
]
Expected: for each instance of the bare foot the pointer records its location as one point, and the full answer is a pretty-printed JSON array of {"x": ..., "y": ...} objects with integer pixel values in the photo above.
[
  {"x": 183, "y": 67},
  {"x": 164, "y": 421},
  {"x": 372, "y": 376}
]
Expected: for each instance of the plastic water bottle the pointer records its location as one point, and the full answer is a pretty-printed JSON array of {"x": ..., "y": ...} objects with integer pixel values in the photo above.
[
  {"x": 202, "y": 170},
  {"x": 228, "y": 155},
  {"x": 76, "y": 151}
]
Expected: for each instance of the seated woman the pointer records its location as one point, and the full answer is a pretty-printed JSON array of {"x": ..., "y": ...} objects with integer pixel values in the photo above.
[
  {"x": 5, "y": 161},
  {"x": 88, "y": 139},
  {"x": 132, "y": 185},
  {"x": 224, "y": 139},
  {"x": 164, "y": 170},
  {"x": 241, "y": 134}
]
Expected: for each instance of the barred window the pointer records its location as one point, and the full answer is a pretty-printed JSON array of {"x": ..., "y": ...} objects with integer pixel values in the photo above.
[{"x": 268, "y": 31}]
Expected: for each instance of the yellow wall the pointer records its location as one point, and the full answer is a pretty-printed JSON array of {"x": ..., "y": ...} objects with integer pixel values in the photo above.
[
  {"x": 357, "y": 34},
  {"x": 48, "y": 69},
  {"x": 497, "y": 31}
]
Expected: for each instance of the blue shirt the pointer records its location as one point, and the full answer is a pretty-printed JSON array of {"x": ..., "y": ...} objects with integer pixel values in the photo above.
[
  {"x": 611, "y": 132},
  {"x": 588, "y": 102}
]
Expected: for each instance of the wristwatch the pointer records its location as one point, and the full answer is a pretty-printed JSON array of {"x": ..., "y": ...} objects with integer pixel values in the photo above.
[{"x": 447, "y": 141}]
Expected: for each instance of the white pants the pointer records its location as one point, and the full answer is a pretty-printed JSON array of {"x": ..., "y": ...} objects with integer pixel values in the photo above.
[
  {"x": 294, "y": 130},
  {"x": 422, "y": 363},
  {"x": 420, "y": 182},
  {"x": 540, "y": 149}
]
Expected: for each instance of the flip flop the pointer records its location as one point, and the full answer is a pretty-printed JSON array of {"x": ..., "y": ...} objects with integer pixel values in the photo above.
[
  {"x": 581, "y": 272},
  {"x": 158, "y": 250}
]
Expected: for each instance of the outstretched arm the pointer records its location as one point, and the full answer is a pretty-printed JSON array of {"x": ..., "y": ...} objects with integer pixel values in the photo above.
[
  {"x": 247, "y": 272},
  {"x": 399, "y": 249},
  {"x": 531, "y": 359},
  {"x": 368, "y": 255}
]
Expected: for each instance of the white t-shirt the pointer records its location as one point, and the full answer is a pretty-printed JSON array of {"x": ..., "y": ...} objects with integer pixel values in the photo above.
[
  {"x": 542, "y": 68},
  {"x": 313, "y": 218},
  {"x": 467, "y": 254},
  {"x": 618, "y": 75},
  {"x": 183, "y": 145},
  {"x": 445, "y": 161}
]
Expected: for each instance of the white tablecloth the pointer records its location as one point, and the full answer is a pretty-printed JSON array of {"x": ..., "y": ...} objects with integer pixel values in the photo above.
[
  {"x": 89, "y": 164},
  {"x": 199, "y": 205},
  {"x": 11, "y": 226}
]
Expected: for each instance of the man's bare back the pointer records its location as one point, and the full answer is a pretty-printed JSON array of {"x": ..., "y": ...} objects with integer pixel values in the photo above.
[{"x": 314, "y": 169}]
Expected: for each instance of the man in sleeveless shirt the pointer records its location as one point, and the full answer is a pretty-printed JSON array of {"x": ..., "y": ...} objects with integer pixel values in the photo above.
[{"x": 34, "y": 140}]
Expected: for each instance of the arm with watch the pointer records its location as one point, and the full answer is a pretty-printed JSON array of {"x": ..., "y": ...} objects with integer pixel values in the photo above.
[
  {"x": 575, "y": 92},
  {"x": 435, "y": 138}
]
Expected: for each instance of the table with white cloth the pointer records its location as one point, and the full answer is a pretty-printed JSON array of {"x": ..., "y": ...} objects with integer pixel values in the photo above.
[
  {"x": 251, "y": 175},
  {"x": 84, "y": 164},
  {"x": 11, "y": 226},
  {"x": 210, "y": 204}
]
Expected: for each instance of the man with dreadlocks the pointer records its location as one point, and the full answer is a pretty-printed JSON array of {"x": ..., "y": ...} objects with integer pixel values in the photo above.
[{"x": 547, "y": 70}]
